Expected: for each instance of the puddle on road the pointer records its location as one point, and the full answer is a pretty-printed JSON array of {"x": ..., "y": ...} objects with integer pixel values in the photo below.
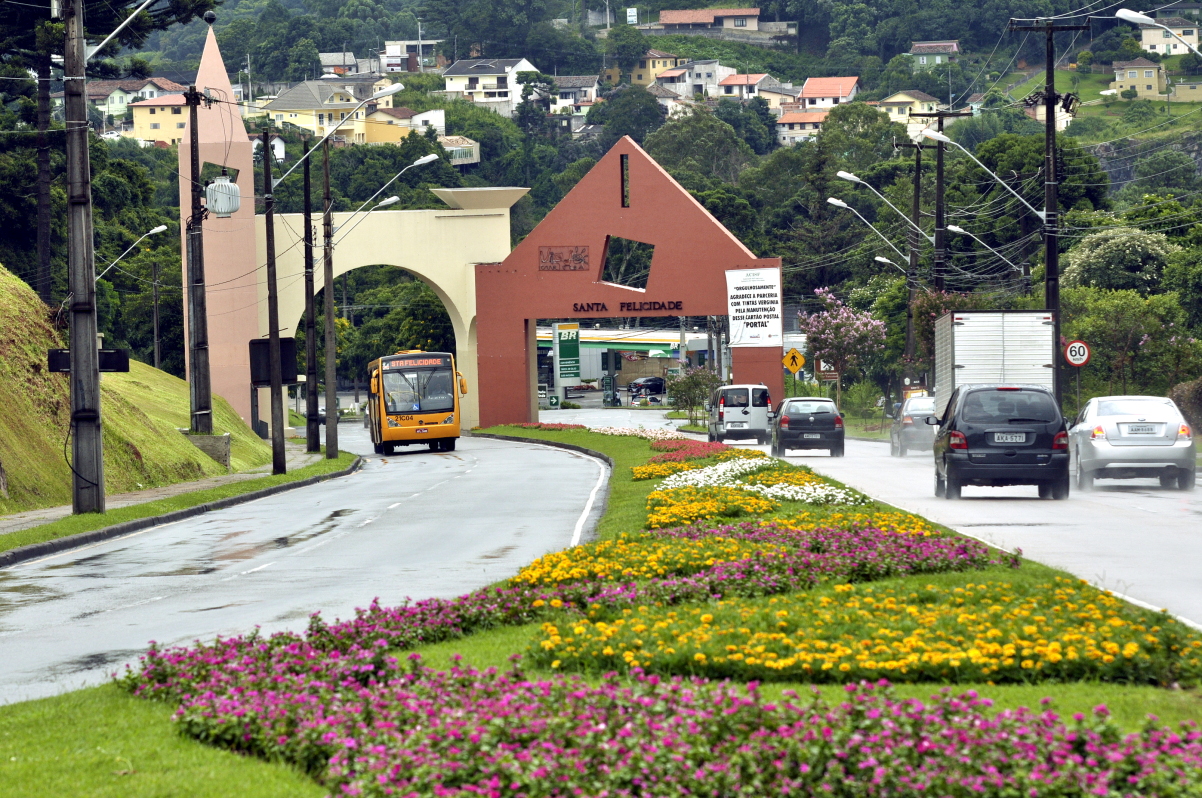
[
  {"x": 90, "y": 561},
  {"x": 90, "y": 662},
  {"x": 250, "y": 550},
  {"x": 17, "y": 592},
  {"x": 497, "y": 554}
]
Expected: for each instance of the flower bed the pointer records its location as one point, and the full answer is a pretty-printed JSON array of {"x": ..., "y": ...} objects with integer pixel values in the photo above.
[
  {"x": 370, "y": 729},
  {"x": 660, "y": 470},
  {"x": 682, "y": 497},
  {"x": 682, "y": 506},
  {"x": 648, "y": 433},
  {"x": 550, "y": 427},
  {"x": 679, "y": 451},
  {"x": 1062, "y": 630}
]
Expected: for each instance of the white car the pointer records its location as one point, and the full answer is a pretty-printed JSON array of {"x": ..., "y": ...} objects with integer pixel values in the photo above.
[{"x": 1133, "y": 437}]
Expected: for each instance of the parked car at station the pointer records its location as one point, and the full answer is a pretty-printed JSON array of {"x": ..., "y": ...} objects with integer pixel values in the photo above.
[
  {"x": 809, "y": 422},
  {"x": 1133, "y": 437},
  {"x": 646, "y": 386},
  {"x": 998, "y": 435},
  {"x": 909, "y": 429},
  {"x": 739, "y": 411}
]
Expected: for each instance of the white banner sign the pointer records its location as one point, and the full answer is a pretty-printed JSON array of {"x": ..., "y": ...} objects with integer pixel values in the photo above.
[
  {"x": 632, "y": 16},
  {"x": 753, "y": 302}
]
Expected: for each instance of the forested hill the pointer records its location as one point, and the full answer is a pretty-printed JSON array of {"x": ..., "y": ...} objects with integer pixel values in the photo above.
[{"x": 283, "y": 37}]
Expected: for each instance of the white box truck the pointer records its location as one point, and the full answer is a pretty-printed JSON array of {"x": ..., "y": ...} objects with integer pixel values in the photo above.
[{"x": 992, "y": 346}]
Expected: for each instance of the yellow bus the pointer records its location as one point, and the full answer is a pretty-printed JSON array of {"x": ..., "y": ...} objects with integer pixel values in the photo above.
[{"x": 414, "y": 398}]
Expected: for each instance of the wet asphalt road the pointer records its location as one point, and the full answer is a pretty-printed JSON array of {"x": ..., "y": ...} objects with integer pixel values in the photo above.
[
  {"x": 1128, "y": 535},
  {"x": 416, "y": 524}
]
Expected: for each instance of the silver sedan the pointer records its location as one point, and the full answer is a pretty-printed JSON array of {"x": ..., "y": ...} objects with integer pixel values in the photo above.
[{"x": 1133, "y": 437}]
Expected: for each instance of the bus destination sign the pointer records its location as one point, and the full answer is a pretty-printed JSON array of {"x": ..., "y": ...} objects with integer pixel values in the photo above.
[{"x": 424, "y": 361}]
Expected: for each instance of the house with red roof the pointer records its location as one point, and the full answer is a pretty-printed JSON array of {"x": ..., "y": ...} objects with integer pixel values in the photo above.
[
  {"x": 828, "y": 92},
  {"x": 745, "y": 87},
  {"x": 699, "y": 18},
  {"x": 795, "y": 126}
]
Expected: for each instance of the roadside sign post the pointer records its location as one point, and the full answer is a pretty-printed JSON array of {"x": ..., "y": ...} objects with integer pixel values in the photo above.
[
  {"x": 1077, "y": 353},
  {"x": 793, "y": 361},
  {"x": 567, "y": 358}
]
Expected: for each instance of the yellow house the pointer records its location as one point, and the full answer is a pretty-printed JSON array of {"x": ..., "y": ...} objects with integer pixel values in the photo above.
[
  {"x": 899, "y": 106},
  {"x": 647, "y": 69},
  {"x": 1146, "y": 77},
  {"x": 391, "y": 125},
  {"x": 318, "y": 105},
  {"x": 161, "y": 118}
]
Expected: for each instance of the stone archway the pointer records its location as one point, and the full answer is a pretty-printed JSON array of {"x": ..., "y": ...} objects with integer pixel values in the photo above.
[
  {"x": 440, "y": 247},
  {"x": 558, "y": 272}
]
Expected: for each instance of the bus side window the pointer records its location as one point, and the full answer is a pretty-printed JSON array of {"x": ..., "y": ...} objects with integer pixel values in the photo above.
[{"x": 462, "y": 384}]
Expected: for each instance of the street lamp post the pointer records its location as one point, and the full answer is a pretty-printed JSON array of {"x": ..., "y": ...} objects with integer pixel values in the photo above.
[
  {"x": 848, "y": 176},
  {"x": 838, "y": 203},
  {"x": 148, "y": 233},
  {"x": 937, "y": 136}
]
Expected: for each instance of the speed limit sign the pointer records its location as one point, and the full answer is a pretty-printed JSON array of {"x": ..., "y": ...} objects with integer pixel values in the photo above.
[{"x": 1077, "y": 353}]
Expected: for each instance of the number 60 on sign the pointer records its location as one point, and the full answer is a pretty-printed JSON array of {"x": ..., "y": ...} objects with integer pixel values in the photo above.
[{"x": 1076, "y": 353}]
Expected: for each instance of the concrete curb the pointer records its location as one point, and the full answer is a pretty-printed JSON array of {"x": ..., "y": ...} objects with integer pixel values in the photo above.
[
  {"x": 603, "y": 501},
  {"x": 35, "y": 550}
]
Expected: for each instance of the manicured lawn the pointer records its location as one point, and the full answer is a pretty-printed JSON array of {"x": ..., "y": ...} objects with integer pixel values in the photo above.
[
  {"x": 104, "y": 743},
  {"x": 75, "y": 524}
]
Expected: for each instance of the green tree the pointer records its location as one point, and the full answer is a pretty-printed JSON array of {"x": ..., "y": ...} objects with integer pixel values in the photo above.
[
  {"x": 628, "y": 111},
  {"x": 627, "y": 45},
  {"x": 698, "y": 141},
  {"x": 303, "y": 61},
  {"x": 860, "y": 136},
  {"x": 692, "y": 390},
  {"x": 1123, "y": 258}
]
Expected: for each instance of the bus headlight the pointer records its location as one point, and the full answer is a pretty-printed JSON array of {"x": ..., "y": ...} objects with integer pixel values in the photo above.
[
  {"x": 392, "y": 422},
  {"x": 449, "y": 419}
]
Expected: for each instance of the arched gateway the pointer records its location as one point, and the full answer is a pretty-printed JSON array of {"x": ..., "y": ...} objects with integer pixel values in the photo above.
[{"x": 556, "y": 272}]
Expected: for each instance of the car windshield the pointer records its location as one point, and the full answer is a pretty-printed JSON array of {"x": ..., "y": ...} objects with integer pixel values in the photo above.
[
  {"x": 736, "y": 397},
  {"x": 1134, "y": 407},
  {"x": 921, "y": 406},
  {"x": 813, "y": 408},
  {"x": 419, "y": 391},
  {"x": 1003, "y": 407}
]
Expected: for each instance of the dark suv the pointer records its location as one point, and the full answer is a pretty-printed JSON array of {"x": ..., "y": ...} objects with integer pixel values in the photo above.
[{"x": 1001, "y": 435}]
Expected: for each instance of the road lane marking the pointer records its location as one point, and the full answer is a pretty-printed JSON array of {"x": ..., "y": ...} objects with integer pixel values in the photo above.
[
  {"x": 394, "y": 506},
  {"x": 260, "y": 568},
  {"x": 592, "y": 497}
]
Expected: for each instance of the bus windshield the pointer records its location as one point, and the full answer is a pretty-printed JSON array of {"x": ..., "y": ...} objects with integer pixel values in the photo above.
[{"x": 419, "y": 390}]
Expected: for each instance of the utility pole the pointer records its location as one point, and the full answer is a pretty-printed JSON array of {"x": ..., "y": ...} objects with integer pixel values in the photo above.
[
  {"x": 915, "y": 242},
  {"x": 1051, "y": 280},
  {"x": 940, "y": 264},
  {"x": 199, "y": 383},
  {"x": 155, "y": 286},
  {"x": 421, "y": 65},
  {"x": 87, "y": 446},
  {"x": 279, "y": 463},
  {"x": 331, "y": 343},
  {"x": 43, "y": 280},
  {"x": 312, "y": 417}
]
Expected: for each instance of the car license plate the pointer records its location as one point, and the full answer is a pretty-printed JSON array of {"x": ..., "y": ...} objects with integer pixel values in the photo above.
[
  {"x": 419, "y": 430},
  {"x": 1009, "y": 437},
  {"x": 811, "y": 435},
  {"x": 736, "y": 425},
  {"x": 1141, "y": 429}
]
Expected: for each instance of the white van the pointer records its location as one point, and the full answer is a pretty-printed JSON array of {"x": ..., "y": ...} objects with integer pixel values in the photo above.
[{"x": 740, "y": 411}]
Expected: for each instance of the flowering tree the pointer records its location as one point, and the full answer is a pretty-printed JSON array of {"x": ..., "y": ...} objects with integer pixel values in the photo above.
[{"x": 841, "y": 336}]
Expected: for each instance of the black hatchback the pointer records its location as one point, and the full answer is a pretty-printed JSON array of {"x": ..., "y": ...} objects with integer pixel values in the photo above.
[
  {"x": 1001, "y": 435},
  {"x": 807, "y": 423}
]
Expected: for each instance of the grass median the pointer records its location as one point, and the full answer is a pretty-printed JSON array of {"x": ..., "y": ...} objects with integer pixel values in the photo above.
[{"x": 77, "y": 524}]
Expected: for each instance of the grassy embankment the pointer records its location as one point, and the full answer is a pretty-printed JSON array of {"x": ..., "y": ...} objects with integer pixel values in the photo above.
[
  {"x": 102, "y": 742},
  {"x": 142, "y": 413}
]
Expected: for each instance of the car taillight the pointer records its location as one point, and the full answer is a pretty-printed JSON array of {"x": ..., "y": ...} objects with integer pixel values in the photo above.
[
  {"x": 1009, "y": 388},
  {"x": 907, "y": 421},
  {"x": 1099, "y": 432},
  {"x": 784, "y": 421},
  {"x": 1184, "y": 432},
  {"x": 722, "y": 408},
  {"x": 838, "y": 422},
  {"x": 1060, "y": 441},
  {"x": 956, "y": 440}
]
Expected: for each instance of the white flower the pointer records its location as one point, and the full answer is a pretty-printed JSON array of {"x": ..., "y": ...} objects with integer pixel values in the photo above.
[{"x": 728, "y": 473}]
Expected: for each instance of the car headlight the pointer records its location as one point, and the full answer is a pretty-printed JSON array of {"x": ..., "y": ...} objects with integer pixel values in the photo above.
[{"x": 449, "y": 419}]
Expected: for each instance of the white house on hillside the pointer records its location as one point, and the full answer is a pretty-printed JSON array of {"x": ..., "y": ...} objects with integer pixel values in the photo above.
[{"x": 492, "y": 82}]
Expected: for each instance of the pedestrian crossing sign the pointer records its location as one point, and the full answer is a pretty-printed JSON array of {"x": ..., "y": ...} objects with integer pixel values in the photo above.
[{"x": 793, "y": 361}]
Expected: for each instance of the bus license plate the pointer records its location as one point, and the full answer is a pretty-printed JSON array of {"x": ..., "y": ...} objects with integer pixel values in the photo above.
[
  {"x": 419, "y": 430},
  {"x": 1009, "y": 437}
]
